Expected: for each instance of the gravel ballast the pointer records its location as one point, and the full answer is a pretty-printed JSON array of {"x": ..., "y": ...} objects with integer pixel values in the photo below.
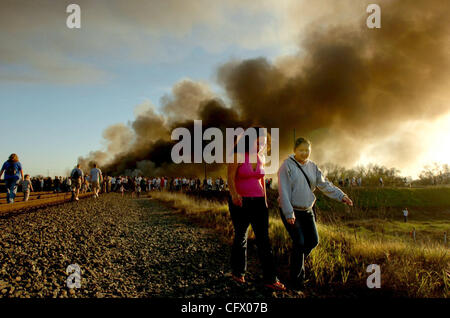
[{"x": 124, "y": 247}]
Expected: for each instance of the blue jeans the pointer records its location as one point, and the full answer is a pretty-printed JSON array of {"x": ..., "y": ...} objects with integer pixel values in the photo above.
[
  {"x": 11, "y": 189},
  {"x": 304, "y": 239}
]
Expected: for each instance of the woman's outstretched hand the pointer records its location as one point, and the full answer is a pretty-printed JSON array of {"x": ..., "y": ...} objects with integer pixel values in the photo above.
[
  {"x": 347, "y": 200},
  {"x": 237, "y": 200},
  {"x": 291, "y": 221}
]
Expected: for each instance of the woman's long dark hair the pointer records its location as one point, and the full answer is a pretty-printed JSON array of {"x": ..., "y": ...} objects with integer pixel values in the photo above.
[{"x": 246, "y": 139}]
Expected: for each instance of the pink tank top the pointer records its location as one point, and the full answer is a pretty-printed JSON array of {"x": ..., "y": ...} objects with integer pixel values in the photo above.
[{"x": 249, "y": 182}]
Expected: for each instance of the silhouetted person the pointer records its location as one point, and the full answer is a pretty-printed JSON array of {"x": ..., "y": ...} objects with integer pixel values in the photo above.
[
  {"x": 13, "y": 172},
  {"x": 77, "y": 180}
]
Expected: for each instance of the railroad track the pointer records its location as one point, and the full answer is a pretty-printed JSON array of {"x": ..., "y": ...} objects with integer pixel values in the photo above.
[
  {"x": 33, "y": 196},
  {"x": 36, "y": 200}
]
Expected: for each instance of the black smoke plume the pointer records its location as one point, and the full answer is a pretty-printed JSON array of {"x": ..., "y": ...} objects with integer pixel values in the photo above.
[{"x": 348, "y": 87}]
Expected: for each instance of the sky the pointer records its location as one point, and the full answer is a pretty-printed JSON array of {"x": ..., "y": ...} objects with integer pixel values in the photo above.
[{"x": 60, "y": 88}]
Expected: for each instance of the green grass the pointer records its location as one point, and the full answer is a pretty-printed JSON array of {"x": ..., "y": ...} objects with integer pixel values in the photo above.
[
  {"x": 374, "y": 198},
  {"x": 349, "y": 242},
  {"x": 377, "y": 213}
]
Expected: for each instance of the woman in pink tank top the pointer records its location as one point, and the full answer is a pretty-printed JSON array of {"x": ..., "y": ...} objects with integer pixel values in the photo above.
[
  {"x": 249, "y": 181},
  {"x": 248, "y": 205}
]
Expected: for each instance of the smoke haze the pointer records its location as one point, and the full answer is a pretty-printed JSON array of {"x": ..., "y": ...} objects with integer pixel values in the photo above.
[{"x": 349, "y": 89}]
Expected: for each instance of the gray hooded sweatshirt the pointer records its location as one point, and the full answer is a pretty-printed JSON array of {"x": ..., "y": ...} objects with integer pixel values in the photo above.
[{"x": 293, "y": 188}]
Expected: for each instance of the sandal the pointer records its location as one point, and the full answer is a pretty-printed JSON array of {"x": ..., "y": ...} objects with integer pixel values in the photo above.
[
  {"x": 239, "y": 279},
  {"x": 277, "y": 285}
]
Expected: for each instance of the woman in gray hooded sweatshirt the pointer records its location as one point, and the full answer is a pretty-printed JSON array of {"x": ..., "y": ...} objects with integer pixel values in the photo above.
[{"x": 298, "y": 177}]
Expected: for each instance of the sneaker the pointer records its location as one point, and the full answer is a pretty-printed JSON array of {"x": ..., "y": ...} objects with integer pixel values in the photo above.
[
  {"x": 277, "y": 285},
  {"x": 76, "y": 199},
  {"x": 239, "y": 279}
]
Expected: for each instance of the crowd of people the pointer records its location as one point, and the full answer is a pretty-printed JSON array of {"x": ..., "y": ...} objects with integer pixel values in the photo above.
[
  {"x": 114, "y": 184},
  {"x": 80, "y": 182},
  {"x": 353, "y": 182},
  {"x": 99, "y": 183}
]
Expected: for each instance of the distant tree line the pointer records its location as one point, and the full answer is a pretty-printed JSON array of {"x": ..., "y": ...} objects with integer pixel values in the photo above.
[
  {"x": 370, "y": 175},
  {"x": 434, "y": 174}
]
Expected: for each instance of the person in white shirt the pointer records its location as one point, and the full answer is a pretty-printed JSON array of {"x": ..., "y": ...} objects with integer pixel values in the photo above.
[
  {"x": 405, "y": 215},
  {"x": 113, "y": 184},
  {"x": 96, "y": 179},
  {"x": 209, "y": 183},
  {"x": 69, "y": 183}
]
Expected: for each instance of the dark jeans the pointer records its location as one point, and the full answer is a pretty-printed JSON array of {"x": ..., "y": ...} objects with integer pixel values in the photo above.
[
  {"x": 254, "y": 212},
  {"x": 304, "y": 239}
]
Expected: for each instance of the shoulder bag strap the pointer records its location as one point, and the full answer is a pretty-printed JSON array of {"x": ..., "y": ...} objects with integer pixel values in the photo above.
[
  {"x": 309, "y": 184},
  {"x": 301, "y": 169}
]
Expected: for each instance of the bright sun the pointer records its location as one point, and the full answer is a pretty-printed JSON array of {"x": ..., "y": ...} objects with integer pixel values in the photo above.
[
  {"x": 432, "y": 145},
  {"x": 439, "y": 139}
]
